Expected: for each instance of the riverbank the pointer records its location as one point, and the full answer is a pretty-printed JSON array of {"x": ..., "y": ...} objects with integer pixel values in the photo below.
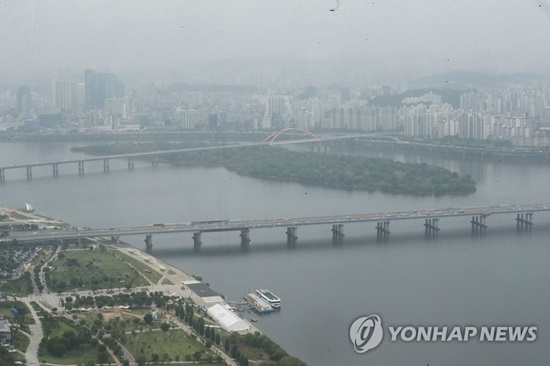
[
  {"x": 19, "y": 218},
  {"x": 83, "y": 298}
]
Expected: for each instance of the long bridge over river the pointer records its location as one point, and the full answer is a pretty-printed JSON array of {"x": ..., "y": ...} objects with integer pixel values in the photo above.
[
  {"x": 477, "y": 216},
  {"x": 155, "y": 155}
]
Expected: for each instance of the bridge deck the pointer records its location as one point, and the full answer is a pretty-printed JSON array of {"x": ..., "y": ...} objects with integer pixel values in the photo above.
[
  {"x": 236, "y": 225},
  {"x": 168, "y": 152}
]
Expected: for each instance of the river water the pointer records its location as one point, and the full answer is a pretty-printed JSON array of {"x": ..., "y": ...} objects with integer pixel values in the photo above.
[{"x": 458, "y": 279}]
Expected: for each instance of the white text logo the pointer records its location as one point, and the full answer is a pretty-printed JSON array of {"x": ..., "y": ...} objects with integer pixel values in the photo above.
[{"x": 366, "y": 333}]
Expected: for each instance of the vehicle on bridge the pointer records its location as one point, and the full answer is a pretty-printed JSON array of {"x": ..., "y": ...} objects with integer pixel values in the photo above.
[{"x": 210, "y": 222}]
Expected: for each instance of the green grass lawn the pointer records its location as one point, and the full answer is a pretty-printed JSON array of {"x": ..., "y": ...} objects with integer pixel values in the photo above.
[
  {"x": 57, "y": 327},
  {"x": 21, "y": 341},
  {"x": 151, "y": 274},
  {"x": 19, "y": 287},
  {"x": 18, "y": 357},
  {"x": 127, "y": 317},
  {"x": 91, "y": 270},
  {"x": 174, "y": 343},
  {"x": 73, "y": 357}
]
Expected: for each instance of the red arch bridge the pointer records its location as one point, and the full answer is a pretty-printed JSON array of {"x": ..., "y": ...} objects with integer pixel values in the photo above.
[{"x": 155, "y": 155}]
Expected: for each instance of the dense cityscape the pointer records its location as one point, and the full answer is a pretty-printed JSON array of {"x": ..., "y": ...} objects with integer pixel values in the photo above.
[
  {"x": 274, "y": 183},
  {"x": 517, "y": 111}
]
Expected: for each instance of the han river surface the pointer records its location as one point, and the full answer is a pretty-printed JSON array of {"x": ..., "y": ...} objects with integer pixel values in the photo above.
[{"x": 456, "y": 280}]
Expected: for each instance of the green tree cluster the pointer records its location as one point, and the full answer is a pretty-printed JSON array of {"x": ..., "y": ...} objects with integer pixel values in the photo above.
[{"x": 328, "y": 170}]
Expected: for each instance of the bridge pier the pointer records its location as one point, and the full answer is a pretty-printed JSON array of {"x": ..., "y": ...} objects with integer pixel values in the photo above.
[
  {"x": 131, "y": 164},
  {"x": 337, "y": 233},
  {"x": 245, "y": 237},
  {"x": 383, "y": 230},
  {"x": 524, "y": 222},
  {"x": 431, "y": 227},
  {"x": 149, "y": 243},
  {"x": 291, "y": 236},
  {"x": 155, "y": 162},
  {"x": 478, "y": 226},
  {"x": 29, "y": 172},
  {"x": 2, "y": 175},
  {"x": 105, "y": 165},
  {"x": 55, "y": 170},
  {"x": 197, "y": 240},
  {"x": 80, "y": 168},
  {"x": 116, "y": 239}
]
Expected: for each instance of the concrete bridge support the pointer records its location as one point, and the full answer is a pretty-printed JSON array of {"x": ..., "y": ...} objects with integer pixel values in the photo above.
[
  {"x": 383, "y": 230},
  {"x": 131, "y": 164},
  {"x": 80, "y": 168},
  {"x": 337, "y": 233},
  {"x": 431, "y": 228},
  {"x": 291, "y": 236},
  {"x": 116, "y": 239},
  {"x": 149, "y": 243},
  {"x": 524, "y": 222},
  {"x": 29, "y": 172},
  {"x": 245, "y": 237},
  {"x": 105, "y": 165},
  {"x": 478, "y": 224},
  {"x": 55, "y": 170},
  {"x": 2, "y": 175},
  {"x": 197, "y": 240},
  {"x": 155, "y": 162}
]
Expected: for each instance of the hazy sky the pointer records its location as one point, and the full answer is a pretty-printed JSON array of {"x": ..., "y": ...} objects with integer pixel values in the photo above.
[{"x": 487, "y": 35}]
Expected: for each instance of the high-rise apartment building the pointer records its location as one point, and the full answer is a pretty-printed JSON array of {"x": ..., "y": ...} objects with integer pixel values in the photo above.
[
  {"x": 24, "y": 100},
  {"x": 64, "y": 94},
  {"x": 101, "y": 86}
]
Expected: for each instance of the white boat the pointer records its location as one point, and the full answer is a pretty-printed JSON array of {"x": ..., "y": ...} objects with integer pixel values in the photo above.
[
  {"x": 270, "y": 297},
  {"x": 258, "y": 303}
]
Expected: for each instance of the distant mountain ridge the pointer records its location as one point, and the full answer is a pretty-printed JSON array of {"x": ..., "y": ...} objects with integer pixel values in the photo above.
[
  {"x": 469, "y": 79},
  {"x": 450, "y": 96}
]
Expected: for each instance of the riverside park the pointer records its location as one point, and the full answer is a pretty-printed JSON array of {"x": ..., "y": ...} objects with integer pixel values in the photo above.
[{"x": 95, "y": 302}]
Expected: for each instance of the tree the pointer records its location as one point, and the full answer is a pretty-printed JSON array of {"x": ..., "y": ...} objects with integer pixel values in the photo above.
[
  {"x": 5, "y": 357},
  {"x": 226, "y": 345},
  {"x": 140, "y": 360},
  {"x": 154, "y": 357},
  {"x": 148, "y": 318},
  {"x": 56, "y": 347},
  {"x": 165, "y": 326},
  {"x": 291, "y": 361},
  {"x": 213, "y": 335},
  {"x": 102, "y": 357}
]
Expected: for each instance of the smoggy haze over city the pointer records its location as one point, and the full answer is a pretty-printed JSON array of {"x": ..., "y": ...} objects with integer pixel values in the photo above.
[{"x": 427, "y": 36}]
